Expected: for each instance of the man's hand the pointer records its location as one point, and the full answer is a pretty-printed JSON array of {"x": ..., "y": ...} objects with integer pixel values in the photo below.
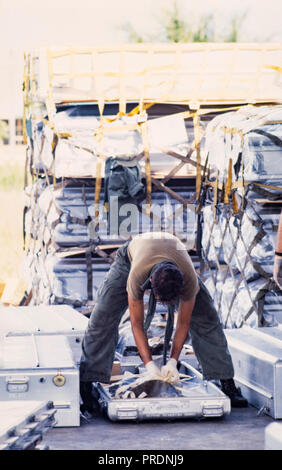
[
  {"x": 152, "y": 369},
  {"x": 170, "y": 371},
  {"x": 277, "y": 271}
]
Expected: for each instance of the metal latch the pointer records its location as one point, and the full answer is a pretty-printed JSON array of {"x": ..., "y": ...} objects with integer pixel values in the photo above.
[{"x": 17, "y": 384}]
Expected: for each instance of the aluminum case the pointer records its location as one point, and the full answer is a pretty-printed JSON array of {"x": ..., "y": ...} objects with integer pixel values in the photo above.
[
  {"x": 208, "y": 401},
  {"x": 46, "y": 320},
  {"x": 257, "y": 359},
  {"x": 273, "y": 436},
  {"x": 41, "y": 368}
]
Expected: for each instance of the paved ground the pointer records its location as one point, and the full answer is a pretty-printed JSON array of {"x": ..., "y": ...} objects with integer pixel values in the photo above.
[{"x": 242, "y": 429}]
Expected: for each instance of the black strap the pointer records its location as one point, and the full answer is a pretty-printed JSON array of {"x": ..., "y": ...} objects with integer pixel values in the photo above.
[
  {"x": 274, "y": 138},
  {"x": 260, "y": 299},
  {"x": 168, "y": 331},
  {"x": 264, "y": 192},
  {"x": 89, "y": 270},
  {"x": 88, "y": 258},
  {"x": 152, "y": 309}
]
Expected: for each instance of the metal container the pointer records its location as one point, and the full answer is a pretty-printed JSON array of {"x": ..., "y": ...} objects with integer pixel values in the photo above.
[
  {"x": 41, "y": 368},
  {"x": 257, "y": 359},
  {"x": 204, "y": 400},
  {"x": 23, "y": 424},
  {"x": 46, "y": 320},
  {"x": 273, "y": 437}
]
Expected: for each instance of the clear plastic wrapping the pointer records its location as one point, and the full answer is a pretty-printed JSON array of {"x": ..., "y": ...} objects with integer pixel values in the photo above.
[
  {"x": 245, "y": 244},
  {"x": 243, "y": 297},
  {"x": 65, "y": 216},
  {"x": 56, "y": 281},
  {"x": 81, "y": 141},
  {"x": 251, "y": 139}
]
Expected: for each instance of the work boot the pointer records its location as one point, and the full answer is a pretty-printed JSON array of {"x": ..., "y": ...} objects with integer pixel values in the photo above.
[
  {"x": 88, "y": 407},
  {"x": 237, "y": 400}
]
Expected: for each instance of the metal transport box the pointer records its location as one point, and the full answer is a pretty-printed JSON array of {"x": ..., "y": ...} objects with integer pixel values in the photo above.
[
  {"x": 23, "y": 424},
  {"x": 203, "y": 400},
  {"x": 257, "y": 359},
  {"x": 273, "y": 437},
  {"x": 45, "y": 319},
  {"x": 41, "y": 368}
]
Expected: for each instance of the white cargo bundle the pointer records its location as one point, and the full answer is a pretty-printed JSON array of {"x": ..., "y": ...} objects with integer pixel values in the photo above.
[
  {"x": 241, "y": 305},
  {"x": 254, "y": 245},
  {"x": 91, "y": 137},
  {"x": 184, "y": 72},
  {"x": 253, "y": 132}
]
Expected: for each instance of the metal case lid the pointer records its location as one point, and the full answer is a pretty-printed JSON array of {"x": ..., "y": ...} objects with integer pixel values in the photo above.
[{"x": 35, "y": 351}]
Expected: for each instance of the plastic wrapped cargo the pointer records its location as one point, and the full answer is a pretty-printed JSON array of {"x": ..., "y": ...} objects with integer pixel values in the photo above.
[
  {"x": 222, "y": 294},
  {"x": 261, "y": 225},
  {"x": 243, "y": 243},
  {"x": 66, "y": 215},
  {"x": 262, "y": 152},
  {"x": 156, "y": 73},
  {"x": 244, "y": 301},
  {"x": 234, "y": 298},
  {"x": 259, "y": 158},
  {"x": 57, "y": 280},
  {"x": 75, "y": 153},
  {"x": 216, "y": 240}
]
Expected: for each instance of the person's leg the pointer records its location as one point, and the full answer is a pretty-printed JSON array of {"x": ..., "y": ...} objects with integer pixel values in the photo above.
[
  {"x": 208, "y": 339},
  {"x": 210, "y": 345},
  {"x": 101, "y": 336}
]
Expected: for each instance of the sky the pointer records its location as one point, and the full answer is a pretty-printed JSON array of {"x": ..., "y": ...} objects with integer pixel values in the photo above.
[{"x": 34, "y": 23}]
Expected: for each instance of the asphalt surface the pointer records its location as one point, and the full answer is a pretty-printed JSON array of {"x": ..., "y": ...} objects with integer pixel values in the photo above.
[{"x": 242, "y": 429}]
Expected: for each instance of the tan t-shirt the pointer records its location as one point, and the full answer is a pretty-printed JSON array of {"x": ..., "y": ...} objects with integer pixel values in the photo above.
[{"x": 147, "y": 250}]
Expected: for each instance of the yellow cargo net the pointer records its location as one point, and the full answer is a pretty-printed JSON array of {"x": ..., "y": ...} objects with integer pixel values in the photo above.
[{"x": 165, "y": 66}]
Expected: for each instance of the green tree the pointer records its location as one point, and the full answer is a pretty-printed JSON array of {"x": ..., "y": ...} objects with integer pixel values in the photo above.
[
  {"x": 175, "y": 28},
  {"x": 235, "y": 27},
  {"x": 132, "y": 35}
]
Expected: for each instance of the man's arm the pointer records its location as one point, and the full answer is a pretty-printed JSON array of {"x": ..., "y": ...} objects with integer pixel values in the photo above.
[
  {"x": 182, "y": 326},
  {"x": 136, "y": 311}
]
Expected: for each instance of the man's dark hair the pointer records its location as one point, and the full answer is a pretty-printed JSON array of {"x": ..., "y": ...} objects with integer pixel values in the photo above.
[{"x": 167, "y": 283}]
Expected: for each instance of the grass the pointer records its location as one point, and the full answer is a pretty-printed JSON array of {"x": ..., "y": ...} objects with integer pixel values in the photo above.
[
  {"x": 11, "y": 213},
  {"x": 11, "y": 177}
]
